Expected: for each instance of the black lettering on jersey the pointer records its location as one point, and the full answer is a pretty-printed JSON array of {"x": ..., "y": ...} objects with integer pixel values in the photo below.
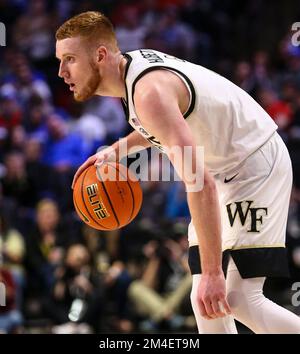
[
  {"x": 153, "y": 140},
  {"x": 142, "y": 130},
  {"x": 151, "y": 56},
  {"x": 172, "y": 57}
]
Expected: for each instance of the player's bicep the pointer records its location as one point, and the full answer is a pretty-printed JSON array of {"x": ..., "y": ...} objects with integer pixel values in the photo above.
[
  {"x": 160, "y": 115},
  {"x": 158, "y": 111}
]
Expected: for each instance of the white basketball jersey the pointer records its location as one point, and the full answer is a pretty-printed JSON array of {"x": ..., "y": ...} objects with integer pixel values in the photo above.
[{"x": 223, "y": 118}]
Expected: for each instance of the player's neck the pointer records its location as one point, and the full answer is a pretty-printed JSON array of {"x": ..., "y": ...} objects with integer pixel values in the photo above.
[
  {"x": 121, "y": 75},
  {"x": 113, "y": 84}
]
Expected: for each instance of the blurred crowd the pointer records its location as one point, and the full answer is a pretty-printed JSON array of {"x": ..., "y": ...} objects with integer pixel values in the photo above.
[{"x": 62, "y": 276}]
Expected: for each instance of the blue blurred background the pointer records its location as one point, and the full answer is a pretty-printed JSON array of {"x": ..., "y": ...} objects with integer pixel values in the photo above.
[{"x": 64, "y": 277}]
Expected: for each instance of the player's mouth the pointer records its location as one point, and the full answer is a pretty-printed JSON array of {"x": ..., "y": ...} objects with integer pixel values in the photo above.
[{"x": 72, "y": 87}]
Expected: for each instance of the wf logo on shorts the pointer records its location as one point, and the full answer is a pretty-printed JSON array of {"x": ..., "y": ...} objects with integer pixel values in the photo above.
[
  {"x": 245, "y": 213},
  {"x": 2, "y": 294},
  {"x": 2, "y": 35}
]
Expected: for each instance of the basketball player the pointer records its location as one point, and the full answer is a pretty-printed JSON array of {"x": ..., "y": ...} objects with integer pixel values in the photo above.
[{"x": 239, "y": 216}]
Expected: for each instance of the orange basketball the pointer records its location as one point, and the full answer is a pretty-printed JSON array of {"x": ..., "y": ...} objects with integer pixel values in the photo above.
[{"x": 107, "y": 198}]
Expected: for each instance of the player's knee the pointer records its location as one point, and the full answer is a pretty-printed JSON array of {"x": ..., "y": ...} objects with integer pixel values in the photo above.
[
  {"x": 242, "y": 302},
  {"x": 237, "y": 302}
]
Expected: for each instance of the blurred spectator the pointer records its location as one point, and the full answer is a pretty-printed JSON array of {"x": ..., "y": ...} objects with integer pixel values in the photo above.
[
  {"x": 90, "y": 127},
  {"x": 261, "y": 63},
  {"x": 12, "y": 249},
  {"x": 295, "y": 129},
  {"x": 117, "y": 281},
  {"x": 41, "y": 175},
  {"x": 76, "y": 303},
  {"x": 130, "y": 34},
  {"x": 45, "y": 245},
  {"x": 10, "y": 318},
  {"x": 18, "y": 138},
  {"x": 16, "y": 182},
  {"x": 243, "y": 76},
  {"x": 178, "y": 36},
  {"x": 290, "y": 92},
  {"x": 33, "y": 31},
  {"x": 109, "y": 110},
  {"x": 27, "y": 86},
  {"x": 150, "y": 14},
  {"x": 164, "y": 285},
  {"x": 279, "y": 110},
  {"x": 176, "y": 205},
  {"x": 63, "y": 150},
  {"x": 35, "y": 122},
  {"x": 293, "y": 235},
  {"x": 10, "y": 111},
  {"x": 294, "y": 144},
  {"x": 9, "y": 203}
]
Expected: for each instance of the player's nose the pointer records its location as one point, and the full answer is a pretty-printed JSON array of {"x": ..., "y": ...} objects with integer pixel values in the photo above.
[{"x": 62, "y": 72}]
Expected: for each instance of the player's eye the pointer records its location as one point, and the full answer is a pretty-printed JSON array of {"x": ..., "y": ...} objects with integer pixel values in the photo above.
[{"x": 69, "y": 59}]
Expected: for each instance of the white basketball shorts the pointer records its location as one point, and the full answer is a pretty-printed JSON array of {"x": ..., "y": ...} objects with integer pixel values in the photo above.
[{"x": 254, "y": 201}]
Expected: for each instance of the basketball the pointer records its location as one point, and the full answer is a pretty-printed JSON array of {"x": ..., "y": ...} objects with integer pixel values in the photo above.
[{"x": 107, "y": 197}]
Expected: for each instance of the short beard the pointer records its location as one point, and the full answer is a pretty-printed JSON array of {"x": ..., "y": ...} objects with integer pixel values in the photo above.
[{"x": 90, "y": 88}]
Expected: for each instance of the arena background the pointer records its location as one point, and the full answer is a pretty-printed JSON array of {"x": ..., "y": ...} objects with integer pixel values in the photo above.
[{"x": 64, "y": 277}]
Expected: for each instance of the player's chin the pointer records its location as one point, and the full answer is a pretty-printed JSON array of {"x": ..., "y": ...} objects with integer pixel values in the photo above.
[{"x": 80, "y": 97}]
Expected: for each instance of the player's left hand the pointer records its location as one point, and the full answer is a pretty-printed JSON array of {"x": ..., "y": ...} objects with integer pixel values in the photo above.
[{"x": 211, "y": 296}]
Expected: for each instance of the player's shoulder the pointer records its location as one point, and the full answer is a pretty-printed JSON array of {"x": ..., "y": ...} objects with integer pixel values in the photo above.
[{"x": 157, "y": 81}]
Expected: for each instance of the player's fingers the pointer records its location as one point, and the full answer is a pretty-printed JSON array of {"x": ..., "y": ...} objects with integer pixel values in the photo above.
[
  {"x": 99, "y": 161},
  {"x": 225, "y": 306},
  {"x": 85, "y": 165},
  {"x": 208, "y": 308},
  {"x": 202, "y": 310},
  {"x": 217, "y": 309}
]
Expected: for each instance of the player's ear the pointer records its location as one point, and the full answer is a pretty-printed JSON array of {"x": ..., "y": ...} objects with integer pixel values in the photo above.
[{"x": 101, "y": 53}]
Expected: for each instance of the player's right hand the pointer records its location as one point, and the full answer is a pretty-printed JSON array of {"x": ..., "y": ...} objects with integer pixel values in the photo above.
[
  {"x": 107, "y": 154},
  {"x": 211, "y": 296}
]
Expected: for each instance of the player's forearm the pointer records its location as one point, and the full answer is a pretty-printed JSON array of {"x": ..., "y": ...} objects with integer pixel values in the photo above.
[
  {"x": 130, "y": 144},
  {"x": 205, "y": 212}
]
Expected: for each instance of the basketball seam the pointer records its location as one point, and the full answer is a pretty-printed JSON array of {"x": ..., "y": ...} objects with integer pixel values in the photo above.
[
  {"x": 130, "y": 191},
  {"x": 80, "y": 211},
  {"x": 82, "y": 196},
  {"x": 107, "y": 196}
]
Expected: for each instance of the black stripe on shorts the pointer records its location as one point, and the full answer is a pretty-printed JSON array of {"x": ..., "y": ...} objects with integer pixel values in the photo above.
[{"x": 251, "y": 262}]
